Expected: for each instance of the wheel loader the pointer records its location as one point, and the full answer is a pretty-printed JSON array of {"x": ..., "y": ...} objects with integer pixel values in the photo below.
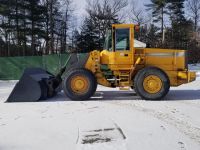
[{"x": 149, "y": 71}]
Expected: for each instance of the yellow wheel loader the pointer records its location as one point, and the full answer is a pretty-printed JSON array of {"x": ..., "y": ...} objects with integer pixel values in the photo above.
[{"x": 149, "y": 71}]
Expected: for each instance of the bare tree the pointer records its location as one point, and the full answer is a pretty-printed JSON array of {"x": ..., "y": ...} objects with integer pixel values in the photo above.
[
  {"x": 51, "y": 26},
  {"x": 68, "y": 10},
  {"x": 118, "y": 5},
  {"x": 137, "y": 14},
  {"x": 101, "y": 14},
  {"x": 158, "y": 8},
  {"x": 105, "y": 13},
  {"x": 111, "y": 8},
  {"x": 194, "y": 9},
  {"x": 58, "y": 14}
]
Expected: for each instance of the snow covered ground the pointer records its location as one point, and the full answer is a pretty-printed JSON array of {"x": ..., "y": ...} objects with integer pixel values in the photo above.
[
  {"x": 111, "y": 120},
  {"x": 196, "y": 68}
]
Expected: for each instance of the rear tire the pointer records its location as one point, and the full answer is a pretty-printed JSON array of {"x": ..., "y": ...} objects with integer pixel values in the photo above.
[
  {"x": 79, "y": 84},
  {"x": 151, "y": 83}
]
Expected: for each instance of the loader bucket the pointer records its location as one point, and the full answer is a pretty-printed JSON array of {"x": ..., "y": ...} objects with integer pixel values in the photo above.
[{"x": 35, "y": 84}]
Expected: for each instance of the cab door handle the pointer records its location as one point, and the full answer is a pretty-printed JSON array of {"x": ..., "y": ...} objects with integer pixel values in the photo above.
[{"x": 126, "y": 55}]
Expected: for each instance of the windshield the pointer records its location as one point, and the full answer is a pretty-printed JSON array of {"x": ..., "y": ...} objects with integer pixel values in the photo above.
[
  {"x": 122, "y": 40},
  {"x": 108, "y": 40}
]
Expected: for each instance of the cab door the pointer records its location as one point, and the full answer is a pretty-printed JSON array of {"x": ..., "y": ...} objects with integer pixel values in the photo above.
[{"x": 123, "y": 47}]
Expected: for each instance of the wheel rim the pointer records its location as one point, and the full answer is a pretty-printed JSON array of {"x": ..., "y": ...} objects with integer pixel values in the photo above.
[
  {"x": 79, "y": 84},
  {"x": 152, "y": 84}
]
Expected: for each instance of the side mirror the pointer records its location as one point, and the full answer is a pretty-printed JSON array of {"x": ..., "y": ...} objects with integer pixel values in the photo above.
[{"x": 137, "y": 28}]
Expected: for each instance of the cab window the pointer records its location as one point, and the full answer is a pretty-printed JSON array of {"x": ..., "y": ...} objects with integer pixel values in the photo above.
[
  {"x": 122, "y": 39},
  {"x": 108, "y": 41}
]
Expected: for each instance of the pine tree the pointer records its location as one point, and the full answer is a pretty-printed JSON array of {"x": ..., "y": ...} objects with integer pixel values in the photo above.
[
  {"x": 193, "y": 7},
  {"x": 22, "y": 19},
  {"x": 176, "y": 8},
  {"x": 181, "y": 27},
  {"x": 158, "y": 8},
  {"x": 35, "y": 15},
  {"x": 100, "y": 18},
  {"x": 151, "y": 36},
  {"x": 26, "y": 24},
  {"x": 10, "y": 12},
  {"x": 89, "y": 36}
]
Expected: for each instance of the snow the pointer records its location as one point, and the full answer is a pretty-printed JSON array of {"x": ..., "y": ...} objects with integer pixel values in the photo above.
[
  {"x": 196, "y": 68},
  {"x": 139, "y": 44},
  {"x": 111, "y": 120}
]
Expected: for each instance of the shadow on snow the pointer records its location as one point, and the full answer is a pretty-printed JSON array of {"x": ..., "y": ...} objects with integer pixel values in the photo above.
[{"x": 173, "y": 95}]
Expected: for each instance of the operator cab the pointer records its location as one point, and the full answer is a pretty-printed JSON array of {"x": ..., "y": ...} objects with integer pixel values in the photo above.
[
  {"x": 119, "y": 46},
  {"x": 121, "y": 42}
]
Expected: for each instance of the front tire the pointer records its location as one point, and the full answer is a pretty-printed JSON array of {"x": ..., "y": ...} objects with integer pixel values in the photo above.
[
  {"x": 151, "y": 83},
  {"x": 79, "y": 84}
]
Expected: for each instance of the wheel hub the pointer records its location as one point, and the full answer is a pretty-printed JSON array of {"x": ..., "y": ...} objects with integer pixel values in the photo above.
[
  {"x": 79, "y": 84},
  {"x": 152, "y": 84}
]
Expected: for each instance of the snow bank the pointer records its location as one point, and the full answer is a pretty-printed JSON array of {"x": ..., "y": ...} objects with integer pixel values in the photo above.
[
  {"x": 198, "y": 75},
  {"x": 196, "y": 68}
]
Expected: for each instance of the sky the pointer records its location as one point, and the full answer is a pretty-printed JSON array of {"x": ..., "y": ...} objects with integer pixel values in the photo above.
[{"x": 81, "y": 4}]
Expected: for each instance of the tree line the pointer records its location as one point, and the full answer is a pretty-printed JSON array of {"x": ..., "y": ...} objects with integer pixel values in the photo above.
[
  {"x": 33, "y": 27},
  {"x": 43, "y": 26}
]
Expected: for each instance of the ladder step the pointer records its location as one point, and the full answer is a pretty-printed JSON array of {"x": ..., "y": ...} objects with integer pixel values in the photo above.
[
  {"x": 124, "y": 88},
  {"x": 124, "y": 81},
  {"x": 124, "y": 84}
]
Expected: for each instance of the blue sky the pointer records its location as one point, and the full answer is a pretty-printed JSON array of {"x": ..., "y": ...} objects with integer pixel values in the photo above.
[{"x": 81, "y": 4}]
